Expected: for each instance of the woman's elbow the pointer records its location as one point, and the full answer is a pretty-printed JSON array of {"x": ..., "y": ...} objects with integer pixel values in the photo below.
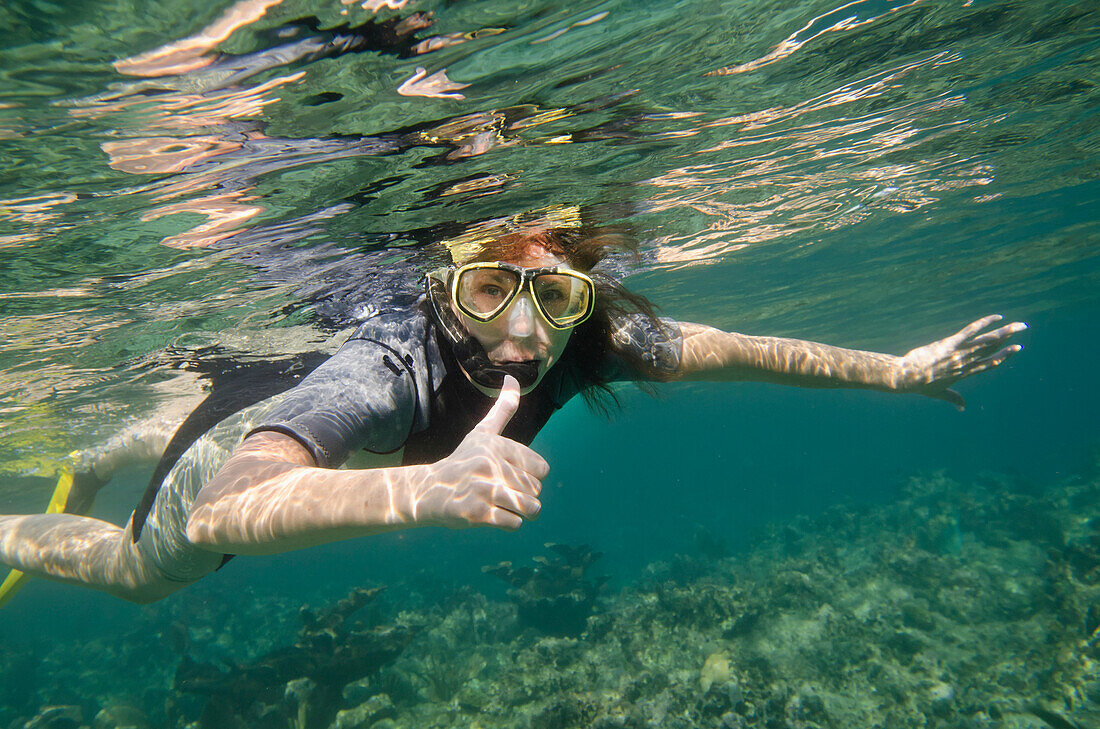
[{"x": 200, "y": 528}]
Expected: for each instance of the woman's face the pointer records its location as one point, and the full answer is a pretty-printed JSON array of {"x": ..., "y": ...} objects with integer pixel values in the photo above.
[{"x": 521, "y": 333}]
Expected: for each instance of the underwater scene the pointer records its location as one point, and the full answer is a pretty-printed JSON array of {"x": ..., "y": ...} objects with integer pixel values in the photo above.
[{"x": 200, "y": 202}]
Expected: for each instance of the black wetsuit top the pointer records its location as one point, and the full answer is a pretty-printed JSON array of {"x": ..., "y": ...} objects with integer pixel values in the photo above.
[{"x": 395, "y": 384}]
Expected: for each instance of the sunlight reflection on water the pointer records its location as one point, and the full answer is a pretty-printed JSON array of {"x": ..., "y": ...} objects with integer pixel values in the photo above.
[{"x": 265, "y": 164}]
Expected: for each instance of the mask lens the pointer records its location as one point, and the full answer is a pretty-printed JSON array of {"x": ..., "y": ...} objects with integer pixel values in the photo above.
[
  {"x": 482, "y": 292},
  {"x": 564, "y": 299}
]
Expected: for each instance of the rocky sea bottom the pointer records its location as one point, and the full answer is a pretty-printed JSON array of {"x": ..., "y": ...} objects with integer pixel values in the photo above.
[{"x": 956, "y": 605}]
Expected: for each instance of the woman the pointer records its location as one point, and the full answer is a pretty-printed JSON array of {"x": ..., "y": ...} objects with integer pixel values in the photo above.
[{"x": 516, "y": 318}]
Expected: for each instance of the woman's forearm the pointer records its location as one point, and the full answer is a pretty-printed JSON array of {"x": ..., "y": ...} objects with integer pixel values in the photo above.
[
  {"x": 270, "y": 498},
  {"x": 712, "y": 354}
]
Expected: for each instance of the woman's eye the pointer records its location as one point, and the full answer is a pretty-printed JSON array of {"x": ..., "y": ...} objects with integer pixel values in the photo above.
[
  {"x": 491, "y": 290},
  {"x": 549, "y": 295}
]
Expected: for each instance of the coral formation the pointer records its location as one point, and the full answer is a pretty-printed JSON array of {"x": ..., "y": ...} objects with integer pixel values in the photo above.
[
  {"x": 554, "y": 596},
  {"x": 952, "y": 606},
  {"x": 299, "y": 686}
]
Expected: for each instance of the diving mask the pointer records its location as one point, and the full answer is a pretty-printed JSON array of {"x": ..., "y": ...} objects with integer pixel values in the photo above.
[{"x": 484, "y": 291}]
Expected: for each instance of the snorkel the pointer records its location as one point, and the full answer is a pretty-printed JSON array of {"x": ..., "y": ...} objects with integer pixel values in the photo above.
[{"x": 468, "y": 351}]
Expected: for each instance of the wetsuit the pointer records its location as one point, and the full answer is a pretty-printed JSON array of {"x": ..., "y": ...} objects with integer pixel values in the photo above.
[{"x": 392, "y": 385}]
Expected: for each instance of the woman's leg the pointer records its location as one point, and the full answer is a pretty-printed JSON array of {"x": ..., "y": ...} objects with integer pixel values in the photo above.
[{"x": 79, "y": 550}]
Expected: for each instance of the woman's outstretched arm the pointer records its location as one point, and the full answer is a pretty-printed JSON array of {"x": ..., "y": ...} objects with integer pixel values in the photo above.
[
  {"x": 712, "y": 354},
  {"x": 269, "y": 497}
]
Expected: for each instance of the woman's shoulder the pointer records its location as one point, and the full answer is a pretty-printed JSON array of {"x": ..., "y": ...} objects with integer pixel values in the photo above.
[
  {"x": 657, "y": 342},
  {"x": 405, "y": 325},
  {"x": 408, "y": 333}
]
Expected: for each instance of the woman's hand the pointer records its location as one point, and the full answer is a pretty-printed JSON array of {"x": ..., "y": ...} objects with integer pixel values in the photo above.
[
  {"x": 932, "y": 369},
  {"x": 270, "y": 498},
  {"x": 489, "y": 479}
]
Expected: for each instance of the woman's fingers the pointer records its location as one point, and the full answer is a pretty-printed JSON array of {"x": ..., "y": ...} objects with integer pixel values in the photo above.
[
  {"x": 504, "y": 507},
  {"x": 982, "y": 358},
  {"x": 484, "y": 499},
  {"x": 518, "y": 480},
  {"x": 522, "y": 457},
  {"x": 503, "y": 519},
  {"x": 969, "y": 349},
  {"x": 973, "y": 328},
  {"x": 997, "y": 336},
  {"x": 937, "y": 366},
  {"x": 489, "y": 483},
  {"x": 517, "y": 502},
  {"x": 980, "y": 364}
]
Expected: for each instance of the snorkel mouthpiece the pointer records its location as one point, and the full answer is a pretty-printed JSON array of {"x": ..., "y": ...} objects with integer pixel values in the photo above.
[{"x": 483, "y": 371}]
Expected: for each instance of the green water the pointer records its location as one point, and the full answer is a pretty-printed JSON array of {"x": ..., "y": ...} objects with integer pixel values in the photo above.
[{"x": 871, "y": 174}]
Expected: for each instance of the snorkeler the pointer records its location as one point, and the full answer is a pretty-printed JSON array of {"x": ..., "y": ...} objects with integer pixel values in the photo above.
[{"x": 445, "y": 397}]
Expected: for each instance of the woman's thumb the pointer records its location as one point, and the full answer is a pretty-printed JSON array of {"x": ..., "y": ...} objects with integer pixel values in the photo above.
[{"x": 503, "y": 409}]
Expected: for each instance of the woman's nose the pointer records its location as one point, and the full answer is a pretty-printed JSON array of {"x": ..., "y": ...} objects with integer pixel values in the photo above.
[{"x": 521, "y": 320}]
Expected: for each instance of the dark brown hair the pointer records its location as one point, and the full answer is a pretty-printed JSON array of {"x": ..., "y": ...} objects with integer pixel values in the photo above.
[{"x": 591, "y": 344}]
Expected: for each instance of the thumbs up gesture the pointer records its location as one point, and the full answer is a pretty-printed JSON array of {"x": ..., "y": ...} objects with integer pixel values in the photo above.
[{"x": 489, "y": 479}]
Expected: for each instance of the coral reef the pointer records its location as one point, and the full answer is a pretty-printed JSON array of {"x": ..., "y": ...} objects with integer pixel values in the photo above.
[
  {"x": 955, "y": 605},
  {"x": 554, "y": 596},
  {"x": 299, "y": 686}
]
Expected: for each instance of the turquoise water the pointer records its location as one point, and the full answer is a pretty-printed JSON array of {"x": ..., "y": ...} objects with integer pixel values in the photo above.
[{"x": 871, "y": 174}]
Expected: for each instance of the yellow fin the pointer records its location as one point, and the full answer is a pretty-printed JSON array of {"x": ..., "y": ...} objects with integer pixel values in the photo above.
[
  {"x": 61, "y": 493},
  {"x": 11, "y": 585}
]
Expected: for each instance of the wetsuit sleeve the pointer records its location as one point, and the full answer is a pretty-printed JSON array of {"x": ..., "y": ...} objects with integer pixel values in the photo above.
[
  {"x": 656, "y": 345},
  {"x": 365, "y": 396}
]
